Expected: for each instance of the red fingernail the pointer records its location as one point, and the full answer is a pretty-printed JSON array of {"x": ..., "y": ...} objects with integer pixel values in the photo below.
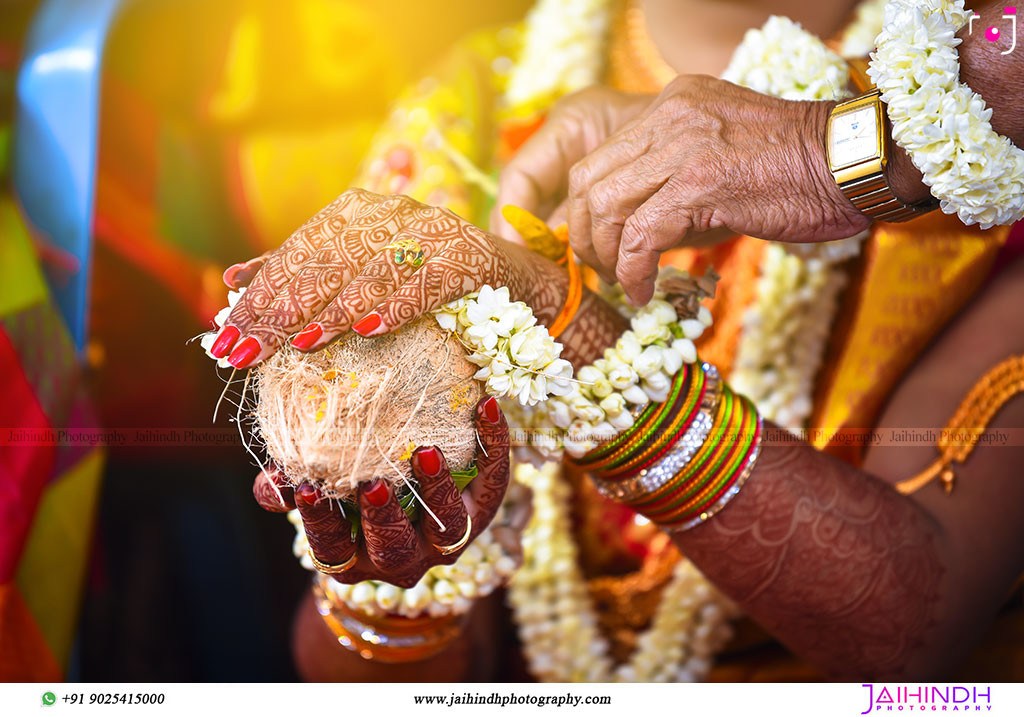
[
  {"x": 245, "y": 352},
  {"x": 307, "y": 493},
  {"x": 377, "y": 493},
  {"x": 367, "y": 325},
  {"x": 229, "y": 275},
  {"x": 225, "y": 340},
  {"x": 308, "y": 336},
  {"x": 491, "y": 411},
  {"x": 430, "y": 461}
]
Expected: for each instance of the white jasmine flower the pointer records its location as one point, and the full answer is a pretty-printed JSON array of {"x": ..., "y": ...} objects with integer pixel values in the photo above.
[
  {"x": 649, "y": 361},
  {"x": 647, "y": 329},
  {"x": 672, "y": 360},
  {"x": 635, "y": 395},
  {"x": 623, "y": 419},
  {"x": 445, "y": 320},
  {"x": 613, "y": 405},
  {"x": 686, "y": 350},
  {"x": 622, "y": 376},
  {"x": 628, "y": 347},
  {"x": 692, "y": 328},
  {"x": 560, "y": 414},
  {"x": 586, "y": 410}
]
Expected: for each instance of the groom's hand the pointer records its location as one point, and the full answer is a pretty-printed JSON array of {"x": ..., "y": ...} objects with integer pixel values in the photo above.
[
  {"x": 705, "y": 154},
  {"x": 536, "y": 179}
]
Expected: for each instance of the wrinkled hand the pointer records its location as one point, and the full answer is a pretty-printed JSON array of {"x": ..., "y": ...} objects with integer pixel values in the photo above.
[
  {"x": 390, "y": 547},
  {"x": 336, "y": 273},
  {"x": 705, "y": 154},
  {"x": 537, "y": 178}
]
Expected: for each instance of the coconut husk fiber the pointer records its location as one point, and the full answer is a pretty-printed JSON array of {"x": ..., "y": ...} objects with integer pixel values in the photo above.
[{"x": 353, "y": 411}]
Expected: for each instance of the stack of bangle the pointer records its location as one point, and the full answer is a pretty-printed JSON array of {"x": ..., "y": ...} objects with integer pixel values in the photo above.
[{"x": 684, "y": 459}]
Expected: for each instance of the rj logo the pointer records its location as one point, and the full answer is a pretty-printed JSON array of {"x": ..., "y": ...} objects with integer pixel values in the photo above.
[{"x": 993, "y": 34}]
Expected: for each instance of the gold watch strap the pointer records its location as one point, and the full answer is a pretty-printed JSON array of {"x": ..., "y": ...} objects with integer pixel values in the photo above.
[{"x": 872, "y": 196}]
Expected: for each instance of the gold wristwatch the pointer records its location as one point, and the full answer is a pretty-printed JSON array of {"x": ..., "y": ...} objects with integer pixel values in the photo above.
[{"x": 857, "y": 145}]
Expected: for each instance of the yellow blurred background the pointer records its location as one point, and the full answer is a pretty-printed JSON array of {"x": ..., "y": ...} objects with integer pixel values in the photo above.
[{"x": 264, "y": 107}]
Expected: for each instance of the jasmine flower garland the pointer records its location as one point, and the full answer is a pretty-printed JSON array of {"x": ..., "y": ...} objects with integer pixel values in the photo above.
[
  {"x": 561, "y": 638},
  {"x": 443, "y": 590},
  {"x": 519, "y": 360},
  {"x": 943, "y": 125},
  {"x": 784, "y": 60}
]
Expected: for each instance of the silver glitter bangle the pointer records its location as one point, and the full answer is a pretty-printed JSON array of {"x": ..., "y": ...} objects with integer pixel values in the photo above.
[
  {"x": 651, "y": 479},
  {"x": 731, "y": 493}
]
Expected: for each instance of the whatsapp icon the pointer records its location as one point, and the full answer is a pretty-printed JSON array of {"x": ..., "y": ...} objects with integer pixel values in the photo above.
[{"x": 49, "y": 698}]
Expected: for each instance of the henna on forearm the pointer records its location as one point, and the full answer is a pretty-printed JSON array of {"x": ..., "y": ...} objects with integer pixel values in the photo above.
[{"x": 835, "y": 563}]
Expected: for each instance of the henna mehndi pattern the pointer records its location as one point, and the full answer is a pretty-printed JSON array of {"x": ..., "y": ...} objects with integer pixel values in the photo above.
[
  {"x": 837, "y": 565},
  {"x": 391, "y": 548},
  {"x": 334, "y": 270}
]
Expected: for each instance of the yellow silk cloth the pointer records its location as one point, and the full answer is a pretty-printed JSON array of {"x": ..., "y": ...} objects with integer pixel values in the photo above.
[{"x": 915, "y": 277}]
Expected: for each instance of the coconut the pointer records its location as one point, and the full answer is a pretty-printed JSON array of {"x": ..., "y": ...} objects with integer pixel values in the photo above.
[{"x": 354, "y": 411}]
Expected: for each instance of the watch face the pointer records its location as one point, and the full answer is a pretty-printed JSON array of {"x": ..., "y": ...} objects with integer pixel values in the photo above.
[{"x": 854, "y": 137}]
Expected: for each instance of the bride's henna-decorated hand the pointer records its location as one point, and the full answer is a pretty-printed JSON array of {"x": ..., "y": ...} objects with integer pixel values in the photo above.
[
  {"x": 338, "y": 271},
  {"x": 392, "y": 548}
]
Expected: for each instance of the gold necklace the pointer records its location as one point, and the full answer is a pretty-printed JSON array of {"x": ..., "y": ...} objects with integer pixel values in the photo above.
[
  {"x": 636, "y": 63},
  {"x": 969, "y": 422}
]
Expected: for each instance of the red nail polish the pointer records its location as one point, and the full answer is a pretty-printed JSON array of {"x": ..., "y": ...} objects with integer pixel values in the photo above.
[
  {"x": 367, "y": 325},
  {"x": 430, "y": 461},
  {"x": 225, "y": 340},
  {"x": 245, "y": 353},
  {"x": 229, "y": 275},
  {"x": 491, "y": 411},
  {"x": 308, "y": 336},
  {"x": 377, "y": 493},
  {"x": 307, "y": 494}
]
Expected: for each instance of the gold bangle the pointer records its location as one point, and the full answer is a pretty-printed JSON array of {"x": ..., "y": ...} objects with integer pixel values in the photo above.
[
  {"x": 328, "y": 569},
  {"x": 460, "y": 544}
]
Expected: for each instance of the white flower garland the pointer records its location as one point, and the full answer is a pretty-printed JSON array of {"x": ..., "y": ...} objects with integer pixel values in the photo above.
[
  {"x": 637, "y": 370},
  {"x": 785, "y": 332},
  {"x": 517, "y": 358},
  {"x": 562, "y": 51},
  {"x": 557, "y": 625},
  {"x": 943, "y": 125},
  {"x": 520, "y": 360},
  {"x": 482, "y": 567},
  {"x": 784, "y": 60},
  {"x": 859, "y": 38},
  {"x": 786, "y": 328}
]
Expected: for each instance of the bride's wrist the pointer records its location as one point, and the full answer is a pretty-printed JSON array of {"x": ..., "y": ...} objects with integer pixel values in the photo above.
[{"x": 544, "y": 287}]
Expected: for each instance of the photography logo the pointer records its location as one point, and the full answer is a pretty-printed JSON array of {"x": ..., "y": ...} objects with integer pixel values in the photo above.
[
  {"x": 993, "y": 34},
  {"x": 883, "y": 698}
]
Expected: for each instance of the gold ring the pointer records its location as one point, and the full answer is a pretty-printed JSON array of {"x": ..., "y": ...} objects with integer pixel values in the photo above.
[
  {"x": 407, "y": 251},
  {"x": 456, "y": 547},
  {"x": 332, "y": 569}
]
